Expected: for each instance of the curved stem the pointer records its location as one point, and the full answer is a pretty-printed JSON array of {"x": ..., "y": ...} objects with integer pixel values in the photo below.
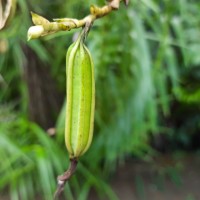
[{"x": 62, "y": 179}]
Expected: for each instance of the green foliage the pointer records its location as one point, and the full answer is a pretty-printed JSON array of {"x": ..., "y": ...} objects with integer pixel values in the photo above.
[{"x": 146, "y": 60}]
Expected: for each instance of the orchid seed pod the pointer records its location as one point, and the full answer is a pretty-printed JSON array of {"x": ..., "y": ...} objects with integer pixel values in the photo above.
[{"x": 80, "y": 98}]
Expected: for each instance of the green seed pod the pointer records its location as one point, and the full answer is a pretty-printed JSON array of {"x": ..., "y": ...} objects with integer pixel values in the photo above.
[{"x": 80, "y": 99}]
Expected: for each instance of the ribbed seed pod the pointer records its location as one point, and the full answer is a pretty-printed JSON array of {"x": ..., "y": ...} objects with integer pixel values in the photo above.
[{"x": 80, "y": 99}]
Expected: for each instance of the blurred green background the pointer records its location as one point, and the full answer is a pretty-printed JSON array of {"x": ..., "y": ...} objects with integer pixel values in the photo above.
[{"x": 147, "y": 70}]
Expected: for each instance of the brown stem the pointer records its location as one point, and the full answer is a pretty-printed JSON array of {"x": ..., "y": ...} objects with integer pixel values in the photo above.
[{"x": 62, "y": 179}]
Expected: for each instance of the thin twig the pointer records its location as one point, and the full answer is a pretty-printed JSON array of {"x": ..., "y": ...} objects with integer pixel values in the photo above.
[
  {"x": 64, "y": 178},
  {"x": 44, "y": 27}
]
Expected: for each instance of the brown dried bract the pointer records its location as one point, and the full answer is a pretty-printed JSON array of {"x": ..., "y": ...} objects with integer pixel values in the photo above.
[
  {"x": 126, "y": 2},
  {"x": 7, "y": 10}
]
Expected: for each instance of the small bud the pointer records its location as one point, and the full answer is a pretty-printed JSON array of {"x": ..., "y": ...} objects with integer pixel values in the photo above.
[
  {"x": 39, "y": 20},
  {"x": 35, "y": 32}
]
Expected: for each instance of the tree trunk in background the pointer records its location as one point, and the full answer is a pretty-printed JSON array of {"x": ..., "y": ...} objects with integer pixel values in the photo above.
[{"x": 44, "y": 99}]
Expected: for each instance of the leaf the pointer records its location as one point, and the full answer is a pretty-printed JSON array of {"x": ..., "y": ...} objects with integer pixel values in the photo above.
[{"x": 151, "y": 5}]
